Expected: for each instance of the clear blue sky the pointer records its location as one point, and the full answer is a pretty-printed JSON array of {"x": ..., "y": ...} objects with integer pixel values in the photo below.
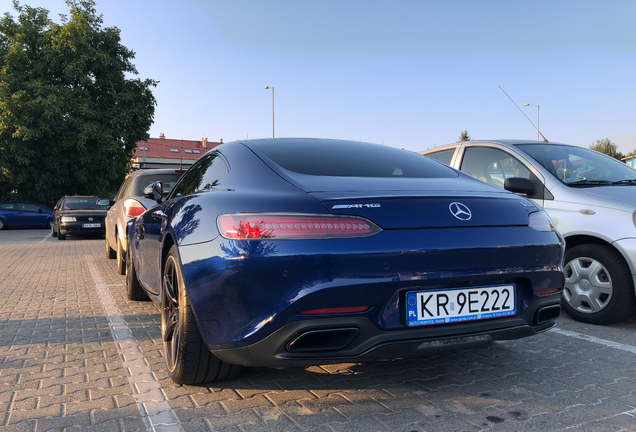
[{"x": 408, "y": 74}]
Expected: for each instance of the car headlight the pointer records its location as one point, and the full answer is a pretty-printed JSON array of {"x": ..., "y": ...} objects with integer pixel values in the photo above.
[
  {"x": 69, "y": 219},
  {"x": 540, "y": 221}
]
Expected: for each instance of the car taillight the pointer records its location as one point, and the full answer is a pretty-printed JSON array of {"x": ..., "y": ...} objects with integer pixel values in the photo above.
[
  {"x": 540, "y": 221},
  {"x": 133, "y": 208},
  {"x": 293, "y": 226}
]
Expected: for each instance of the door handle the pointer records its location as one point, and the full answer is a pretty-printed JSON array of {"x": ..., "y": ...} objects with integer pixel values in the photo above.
[{"x": 158, "y": 214}]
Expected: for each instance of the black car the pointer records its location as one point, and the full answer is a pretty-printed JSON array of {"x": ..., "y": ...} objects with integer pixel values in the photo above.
[{"x": 80, "y": 216}]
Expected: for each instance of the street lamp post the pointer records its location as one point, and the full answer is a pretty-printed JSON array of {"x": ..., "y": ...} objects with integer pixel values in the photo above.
[
  {"x": 267, "y": 88},
  {"x": 538, "y": 133}
]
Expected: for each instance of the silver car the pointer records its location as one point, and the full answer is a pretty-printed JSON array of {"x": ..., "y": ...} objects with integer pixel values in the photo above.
[
  {"x": 590, "y": 197},
  {"x": 129, "y": 203}
]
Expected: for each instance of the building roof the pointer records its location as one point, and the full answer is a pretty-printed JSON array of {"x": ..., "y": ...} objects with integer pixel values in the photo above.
[{"x": 173, "y": 148}]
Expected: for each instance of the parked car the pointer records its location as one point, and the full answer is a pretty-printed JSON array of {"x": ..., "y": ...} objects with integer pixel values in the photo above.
[
  {"x": 79, "y": 216},
  {"x": 590, "y": 197},
  {"x": 282, "y": 252},
  {"x": 129, "y": 203},
  {"x": 21, "y": 213}
]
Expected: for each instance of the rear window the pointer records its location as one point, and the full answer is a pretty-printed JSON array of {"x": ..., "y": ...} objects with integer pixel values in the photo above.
[
  {"x": 168, "y": 181},
  {"x": 350, "y": 159},
  {"x": 89, "y": 203}
]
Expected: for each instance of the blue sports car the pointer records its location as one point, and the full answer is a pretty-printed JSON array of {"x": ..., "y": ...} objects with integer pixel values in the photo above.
[{"x": 283, "y": 252}]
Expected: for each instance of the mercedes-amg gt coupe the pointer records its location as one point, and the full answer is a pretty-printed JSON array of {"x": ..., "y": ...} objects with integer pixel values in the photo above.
[{"x": 284, "y": 252}]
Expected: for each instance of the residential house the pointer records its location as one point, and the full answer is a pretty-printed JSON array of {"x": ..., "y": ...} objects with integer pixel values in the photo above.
[{"x": 170, "y": 153}]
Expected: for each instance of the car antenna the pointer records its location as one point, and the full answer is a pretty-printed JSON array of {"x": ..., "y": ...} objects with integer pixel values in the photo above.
[{"x": 524, "y": 114}]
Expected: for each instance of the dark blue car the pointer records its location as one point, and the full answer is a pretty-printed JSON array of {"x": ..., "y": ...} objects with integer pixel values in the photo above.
[
  {"x": 283, "y": 252},
  {"x": 18, "y": 213}
]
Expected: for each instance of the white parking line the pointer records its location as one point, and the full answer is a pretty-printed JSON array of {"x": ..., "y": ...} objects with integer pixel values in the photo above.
[
  {"x": 47, "y": 237},
  {"x": 151, "y": 400},
  {"x": 594, "y": 339}
]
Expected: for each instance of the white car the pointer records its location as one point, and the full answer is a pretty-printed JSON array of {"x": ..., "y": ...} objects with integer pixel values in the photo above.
[
  {"x": 590, "y": 197},
  {"x": 129, "y": 203}
]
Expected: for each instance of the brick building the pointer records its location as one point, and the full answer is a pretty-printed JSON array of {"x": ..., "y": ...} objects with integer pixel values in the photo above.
[{"x": 170, "y": 153}]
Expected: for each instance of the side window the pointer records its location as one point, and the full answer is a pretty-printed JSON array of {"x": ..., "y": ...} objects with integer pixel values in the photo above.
[
  {"x": 28, "y": 207},
  {"x": 444, "y": 156},
  {"x": 493, "y": 166},
  {"x": 202, "y": 176},
  {"x": 7, "y": 206},
  {"x": 120, "y": 193}
]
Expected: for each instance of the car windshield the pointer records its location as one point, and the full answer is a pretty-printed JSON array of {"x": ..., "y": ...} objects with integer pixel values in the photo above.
[
  {"x": 167, "y": 180},
  {"x": 577, "y": 166},
  {"x": 89, "y": 203},
  {"x": 351, "y": 159}
]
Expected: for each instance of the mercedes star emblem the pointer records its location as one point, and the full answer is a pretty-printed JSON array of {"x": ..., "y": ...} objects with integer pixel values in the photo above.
[
  {"x": 90, "y": 219},
  {"x": 460, "y": 211}
]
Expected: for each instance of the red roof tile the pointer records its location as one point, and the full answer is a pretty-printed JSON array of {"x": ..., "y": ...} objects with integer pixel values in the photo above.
[{"x": 162, "y": 148}]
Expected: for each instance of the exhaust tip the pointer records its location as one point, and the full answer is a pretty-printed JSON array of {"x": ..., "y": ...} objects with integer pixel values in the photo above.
[
  {"x": 547, "y": 314},
  {"x": 323, "y": 340}
]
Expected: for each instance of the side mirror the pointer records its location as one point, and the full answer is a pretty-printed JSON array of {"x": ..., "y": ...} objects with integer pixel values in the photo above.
[
  {"x": 519, "y": 185},
  {"x": 154, "y": 191},
  {"x": 103, "y": 202},
  {"x": 40, "y": 210}
]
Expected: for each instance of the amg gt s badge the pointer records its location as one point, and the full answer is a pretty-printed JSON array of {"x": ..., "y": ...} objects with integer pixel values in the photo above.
[
  {"x": 460, "y": 211},
  {"x": 347, "y": 206}
]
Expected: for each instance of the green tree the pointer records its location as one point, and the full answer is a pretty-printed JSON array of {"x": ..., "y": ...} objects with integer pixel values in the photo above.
[
  {"x": 69, "y": 116},
  {"x": 464, "y": 136},
  {"x": 607, "y": 147}
]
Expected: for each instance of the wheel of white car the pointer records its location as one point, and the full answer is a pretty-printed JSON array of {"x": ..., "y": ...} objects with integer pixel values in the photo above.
[
  {"x": 598, "y": 285},
  {"x": 121, "y": 258},
  {"x": 110, "y": 253},
  {"x": 188, "y": 359}
]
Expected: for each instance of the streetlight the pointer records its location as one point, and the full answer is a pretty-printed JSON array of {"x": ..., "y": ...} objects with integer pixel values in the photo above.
[
  {"x": 525, "y": 104},
  {"x": 267, "y": 88}
]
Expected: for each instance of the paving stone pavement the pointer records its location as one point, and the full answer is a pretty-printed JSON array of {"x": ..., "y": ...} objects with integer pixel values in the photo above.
[{"x": 62, "y": 370}]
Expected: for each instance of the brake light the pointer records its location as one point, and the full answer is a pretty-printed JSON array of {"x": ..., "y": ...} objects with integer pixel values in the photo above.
[
  {"x": 133, "y": 208},
  {"x": 338, "y": 310},
  {"x": 540, "y": 221},
  {"x": 293, "y": 226}
]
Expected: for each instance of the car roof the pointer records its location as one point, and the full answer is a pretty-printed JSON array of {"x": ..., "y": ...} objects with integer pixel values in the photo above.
[{"x": 505, "y": 142}]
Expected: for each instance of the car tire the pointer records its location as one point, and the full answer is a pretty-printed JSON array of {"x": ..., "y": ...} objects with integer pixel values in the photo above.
[
  {"x": 121, "y": 258},
  {"x": 53, "y": 230},
  {"x": 188, "y": 359},
  {"x": 598, "y": 285},
  {"x": 110, "y": 253},
  {"x": 134, "y": 291},
  {"x": 50, "y": 223},
  {"x": 60, "y": 236},
  {"x": 3, "y": 224}
]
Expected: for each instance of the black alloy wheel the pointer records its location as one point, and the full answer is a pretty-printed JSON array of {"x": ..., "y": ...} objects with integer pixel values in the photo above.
[
  {"x": 188, "y": 359},
  {"x": 3, "y": 224}
]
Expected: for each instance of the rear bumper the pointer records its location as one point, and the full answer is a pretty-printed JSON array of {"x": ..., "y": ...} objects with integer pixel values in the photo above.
[
  {"x": 337, "y": 340},
  {"x": 76, "y": 228}
]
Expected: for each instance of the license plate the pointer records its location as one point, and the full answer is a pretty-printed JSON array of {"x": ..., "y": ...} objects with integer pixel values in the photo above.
[
  {"x": 460, "y": 304},
  {"x": 91, "y": 225}
]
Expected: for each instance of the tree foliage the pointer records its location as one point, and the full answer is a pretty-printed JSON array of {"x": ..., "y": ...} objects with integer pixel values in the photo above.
[
  {"x": 607, "y": 147},
  {"x": 464, "y": 136},
  {"x": 69, "y": 116}
]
